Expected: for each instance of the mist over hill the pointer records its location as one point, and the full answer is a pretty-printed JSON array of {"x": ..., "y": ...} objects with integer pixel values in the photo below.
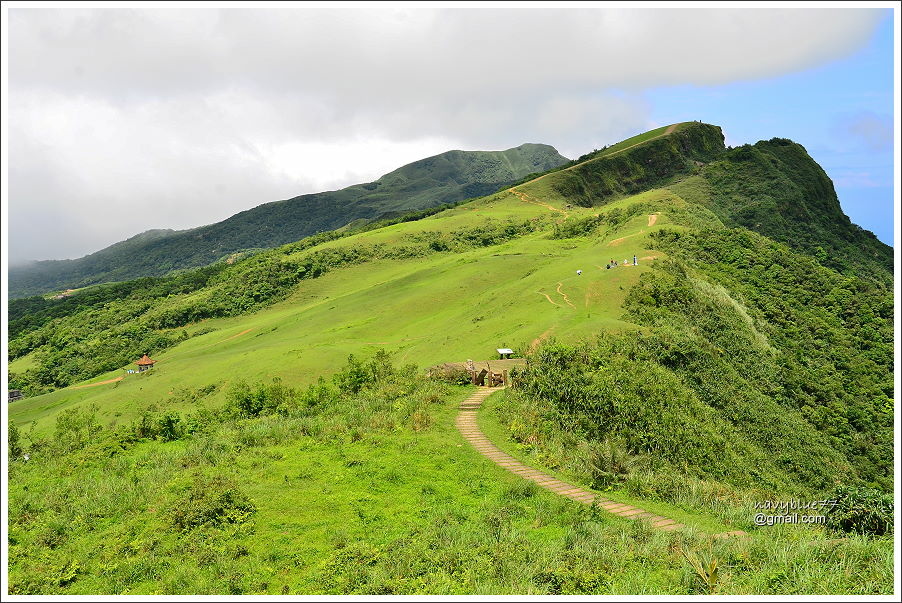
[{"x": 431, "y": 182}]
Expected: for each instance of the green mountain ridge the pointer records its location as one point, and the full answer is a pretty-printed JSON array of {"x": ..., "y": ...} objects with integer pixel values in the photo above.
[
  {"x": 799, "y": 206},
  {"x": 288, "y": 442},
  {"x": 446, "y": 178}
]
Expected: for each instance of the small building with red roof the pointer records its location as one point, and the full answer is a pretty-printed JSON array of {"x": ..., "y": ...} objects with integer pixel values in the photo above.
[{"x": 145, "y": 363}]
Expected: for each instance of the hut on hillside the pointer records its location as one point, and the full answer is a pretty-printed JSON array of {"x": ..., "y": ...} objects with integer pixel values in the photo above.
[{"x": 145, "y": 363}]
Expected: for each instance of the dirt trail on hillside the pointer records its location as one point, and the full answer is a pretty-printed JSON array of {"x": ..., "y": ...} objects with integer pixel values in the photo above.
[
  {"x": 245, "y": 332},
  {"x": 525, "y": 199},
  {"x": 98, "y": 383},
  {"x": 564, "y": 295},
  {"x": 617, "y": 152},
  {"x": 617, "y": 242},
  {"x": 652, "y": 219},
  {"x": 549, "y": 299},
  {"x": 667, "y": 132},
  {"x": 235, "y": 336},
  {"x": 400, "y": 341},
  {"x": 535, "y": 342}
]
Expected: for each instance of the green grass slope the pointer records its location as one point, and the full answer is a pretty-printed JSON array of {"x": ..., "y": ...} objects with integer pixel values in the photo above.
[
  {"x": 431, "y": 182},
  {"x": 395, "y": 288},
  {"x": 634, "y": 165},
  {"x": 725, "y": 370},
  {"x": 364, "y": 494}
]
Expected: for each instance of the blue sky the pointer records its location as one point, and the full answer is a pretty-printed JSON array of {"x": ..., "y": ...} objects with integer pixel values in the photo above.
[{"x": 841, "y": 112}]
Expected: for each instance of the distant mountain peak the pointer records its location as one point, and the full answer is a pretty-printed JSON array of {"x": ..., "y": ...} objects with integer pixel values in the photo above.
[{"x": 430, "y": 182}]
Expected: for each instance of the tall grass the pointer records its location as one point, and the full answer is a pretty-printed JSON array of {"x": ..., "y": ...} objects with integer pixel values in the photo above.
[{"x": 354, "y": 494}]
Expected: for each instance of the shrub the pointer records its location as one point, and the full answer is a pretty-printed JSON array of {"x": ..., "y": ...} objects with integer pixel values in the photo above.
[
  {"x": 76, "y": 427},
  {"x": 249, "y": 401},
  {"x": 608, "y": 462},
  {"x": 420, "y": 420},
  {"x": 705, "y": 572},
  {"x": 862, "y": 510},
  {"x": 12, "y": 440},
  {"x": 448, "y": 373},
  {"x": 169, "y": 426},
  {"x": 353, "y": 377},
  {"x": 576, "y": 227},
  {"x": 357, "y": 375},
  {"x": 317, "y": 394},
  {"x": 212, "y": 501}
]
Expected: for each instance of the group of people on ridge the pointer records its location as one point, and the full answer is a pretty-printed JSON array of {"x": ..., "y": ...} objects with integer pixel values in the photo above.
[{"x": 613, "y": 263}]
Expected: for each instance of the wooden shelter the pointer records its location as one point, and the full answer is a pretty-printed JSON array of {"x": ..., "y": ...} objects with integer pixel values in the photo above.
[
  {"x": 145, "y": 363},
  {"x": 490, "y": 373}
]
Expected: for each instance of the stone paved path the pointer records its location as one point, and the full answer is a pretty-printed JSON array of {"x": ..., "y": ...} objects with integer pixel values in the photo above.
[{"x": 466, "y": 423}]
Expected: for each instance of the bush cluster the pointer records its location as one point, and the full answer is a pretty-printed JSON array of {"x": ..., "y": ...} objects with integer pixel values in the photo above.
[
  {"x": 210, "y": 501},
  {"x": 862, "y": 510}
]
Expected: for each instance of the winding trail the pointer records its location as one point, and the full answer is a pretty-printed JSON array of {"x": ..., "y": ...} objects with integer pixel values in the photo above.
[
  {"x": 400, "y": 341},
  {"x": 98, "y": 383},
  {"x": 564, "y": 295},
  {"x": 230, "y": 338},
  {"x": 652, "y": 219},
  {"x": 535, "y": 342},
  {"x": 466, "y": 423},
  {"x": 617, "y": 242},
  {"x": 526, "y": 199},
  {"x": 549, "y": 299},
  {"x": 244, "y": 332}
]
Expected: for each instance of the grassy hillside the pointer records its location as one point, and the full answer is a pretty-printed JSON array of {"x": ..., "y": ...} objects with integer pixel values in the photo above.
[
  {"x": 430, "y": 182},
  {"x": 638, "y": 166},
  {"x": 287, "y": 440}
]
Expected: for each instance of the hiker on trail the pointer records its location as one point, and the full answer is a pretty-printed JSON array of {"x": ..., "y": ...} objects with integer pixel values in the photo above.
[
  {"x": 608, "y": 266},
  {"x": 624, "y": 261},
  {"x": 578, "y": 272},
  {"x": 634, "y": 261}
]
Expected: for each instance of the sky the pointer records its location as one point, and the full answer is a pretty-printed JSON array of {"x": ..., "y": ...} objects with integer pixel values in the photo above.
[{"x": 119, "y": 120}]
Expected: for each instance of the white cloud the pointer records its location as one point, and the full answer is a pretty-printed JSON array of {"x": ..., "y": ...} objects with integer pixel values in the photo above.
[
  {"x": 845, "y": 178},
  {"x": 200, "y": 113},
  {"x": 866, "y": 130}
]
